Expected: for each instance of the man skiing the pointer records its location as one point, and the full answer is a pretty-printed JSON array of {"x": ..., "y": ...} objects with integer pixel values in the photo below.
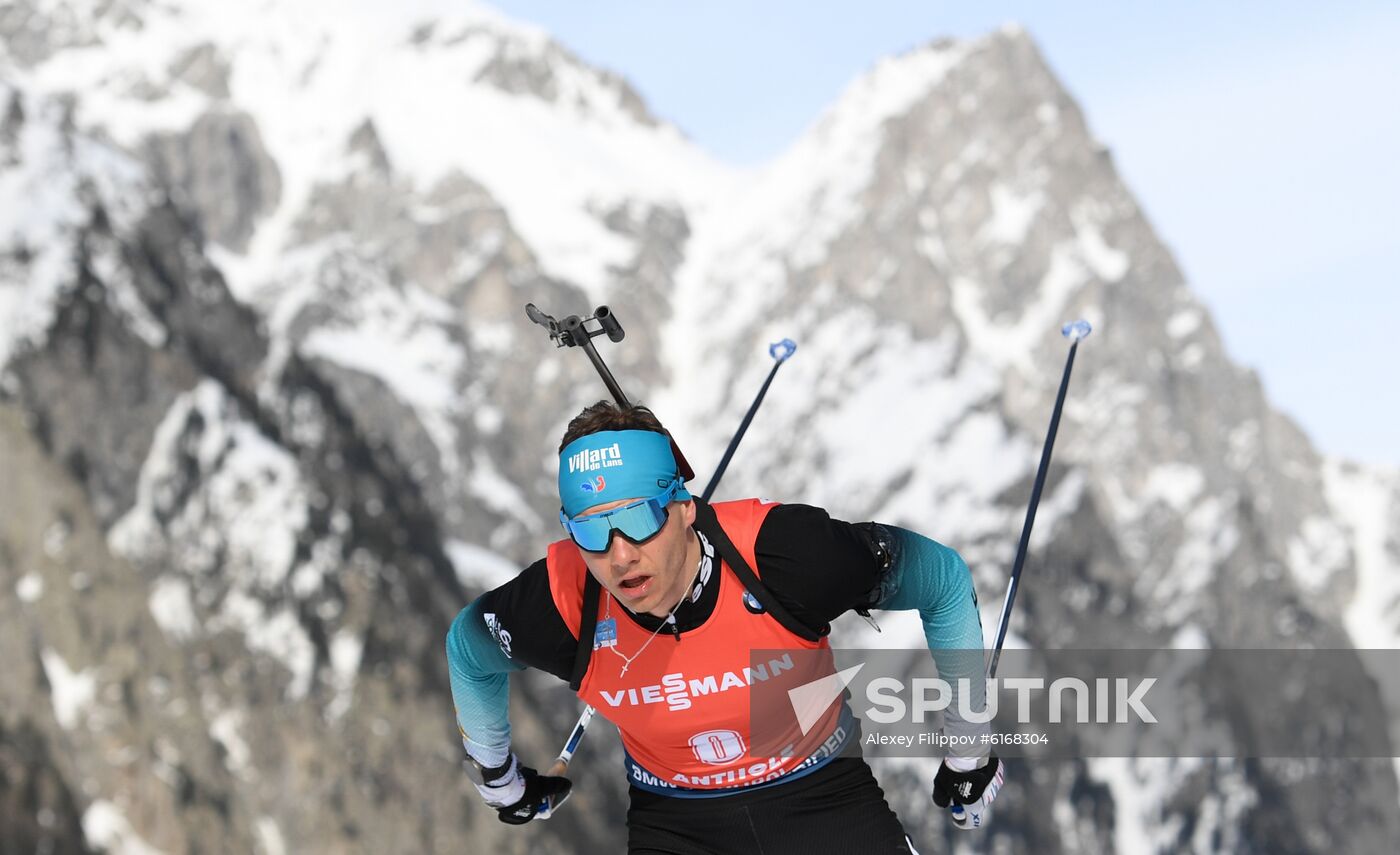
[{"x": 653, "y": 584}]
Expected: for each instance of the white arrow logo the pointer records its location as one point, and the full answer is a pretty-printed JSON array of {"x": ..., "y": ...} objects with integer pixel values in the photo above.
[{"x": 811, "y": 700}]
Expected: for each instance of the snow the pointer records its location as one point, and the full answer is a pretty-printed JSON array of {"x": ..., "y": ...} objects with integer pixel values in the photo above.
[
  {"x": 346, "y": 649},
  {"x": 245, "y": 517},
  {"x": 556, "y": 166},
  {"x": 42, "y": 211},
  {"x": 1012, "y": 215},
  {"x": 1210, "y": 534},
  {"x": 1013, "y": 344},
  {"x": 1365, "y": 502},
  {"x": 488, "y": 419},
  {"x": 478, "y": 568},
  {"x": 1190, "y": 637},
  {"x": 1177, "y": 485},
  {"x": 954, "y": 483},
  {"x": 270, "y": 836},
  {"x": 251, "y": 501},
  {"x": 758, "y": 225},
  {"x": 486, "y": 484},
  {"x": 282, "y": 637},
  {"x": 403, "y": 338},
  {"x": 1184, "y": 323},
  {"x": 114, "y": 274},
  {"x": 795, "y": 206},
  {"x": 171, "y": 607},
  {"x": 225, "y": 728},
  {"x": 72, "y": 692},
  {"x": 1318, "y": 552},
  {"x": 1108, "y": 263},
  {"x": 1133, "y": 804},
  {"x": 897, "y": 363},
  {"x": 29, "y": 588},
  {"x": 56, "y": 537},
  {"x": 310, "y": 576},
  {"x": 1143, "y": 791},
  {"x": 1062, "y": 500},
  {"x": 106, "y": 828}
]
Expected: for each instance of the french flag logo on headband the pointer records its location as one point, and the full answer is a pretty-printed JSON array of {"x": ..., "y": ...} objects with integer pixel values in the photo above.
[{"x": 594, "y": 486}]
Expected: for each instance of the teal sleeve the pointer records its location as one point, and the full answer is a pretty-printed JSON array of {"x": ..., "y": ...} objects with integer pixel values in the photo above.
[
  {"x": 927, "y": 576},
  {"x": 479, "y": 671},
  {"x": 933, "y": 578}
]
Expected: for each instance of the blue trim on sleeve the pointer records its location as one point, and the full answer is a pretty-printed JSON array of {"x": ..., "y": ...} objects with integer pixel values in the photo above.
[
  {"x": 479, "y": 672},
  {"x": 932, "y": 578}
]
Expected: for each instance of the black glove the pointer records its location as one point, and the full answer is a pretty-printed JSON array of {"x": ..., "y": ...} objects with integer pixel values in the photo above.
[
  {"x": 538, "y": 789},
  {"x": 518, "y": 792},
  {"x": 977, "y": 787}
]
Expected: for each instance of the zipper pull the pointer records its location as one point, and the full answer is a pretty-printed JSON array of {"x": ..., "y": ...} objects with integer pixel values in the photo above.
[{"x": 675, "y": 628}]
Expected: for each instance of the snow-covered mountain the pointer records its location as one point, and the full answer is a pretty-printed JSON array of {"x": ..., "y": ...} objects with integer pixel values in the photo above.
[{"x": 272, "y": 412}]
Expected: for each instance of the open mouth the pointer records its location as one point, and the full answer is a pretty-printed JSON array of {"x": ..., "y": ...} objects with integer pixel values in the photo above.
[{"x": 636, "y": 586}]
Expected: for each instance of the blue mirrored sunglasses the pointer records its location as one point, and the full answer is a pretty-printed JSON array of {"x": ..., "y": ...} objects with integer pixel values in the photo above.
[{"x": 637, "y": 521}]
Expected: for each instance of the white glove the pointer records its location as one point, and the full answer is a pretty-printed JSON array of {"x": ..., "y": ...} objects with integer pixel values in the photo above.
[
  {"x": 503, "y": 785},
  {"x": 518, "y": 793}
]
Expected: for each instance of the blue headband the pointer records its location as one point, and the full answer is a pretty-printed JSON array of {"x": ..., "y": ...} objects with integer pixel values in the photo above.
[{"x": 610, "y": 465}]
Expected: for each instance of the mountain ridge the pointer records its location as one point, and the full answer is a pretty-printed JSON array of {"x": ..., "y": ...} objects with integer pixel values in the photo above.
[{"x": 280, "y": 354}]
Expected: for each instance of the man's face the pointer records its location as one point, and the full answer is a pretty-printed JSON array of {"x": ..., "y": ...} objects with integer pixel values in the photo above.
[{"x": 654, "y": 576}]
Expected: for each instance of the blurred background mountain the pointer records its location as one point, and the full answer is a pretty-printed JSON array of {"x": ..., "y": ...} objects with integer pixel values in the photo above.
[{"x": 272, "y": 413}]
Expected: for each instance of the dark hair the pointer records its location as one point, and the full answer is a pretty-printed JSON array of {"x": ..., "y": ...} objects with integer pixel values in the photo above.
[{"x": 605, "y": 415}]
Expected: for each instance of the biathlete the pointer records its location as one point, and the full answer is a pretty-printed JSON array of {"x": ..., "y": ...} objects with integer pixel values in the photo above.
[{"x": 651, "y": 610}]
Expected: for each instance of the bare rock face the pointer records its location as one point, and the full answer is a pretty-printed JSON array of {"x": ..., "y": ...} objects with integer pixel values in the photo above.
[
  {"x": 550, "y": 74},
  {"x": 203, "y": 67},
  {"x": 130, "y": 384},
  {"x": 214, "y": 556},
  {"x": 222, "y": 172},
  {"x": 95, "y": 675},
  {"x": 10, "y": 127},
  {"x": 37, "y": 810},
  {"x": 32, "y": 32}
]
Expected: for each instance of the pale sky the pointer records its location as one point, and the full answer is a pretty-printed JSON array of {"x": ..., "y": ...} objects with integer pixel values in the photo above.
[{"x": 1262, "y": 139}]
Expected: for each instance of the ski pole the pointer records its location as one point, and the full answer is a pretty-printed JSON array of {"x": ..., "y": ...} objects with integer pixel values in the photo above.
[
  {"x": 780, "y": 351},
  {"x": 1075, "y": 331},
  {"x": 561, "y": 763},
  {"x": 573, "y": 331}
]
